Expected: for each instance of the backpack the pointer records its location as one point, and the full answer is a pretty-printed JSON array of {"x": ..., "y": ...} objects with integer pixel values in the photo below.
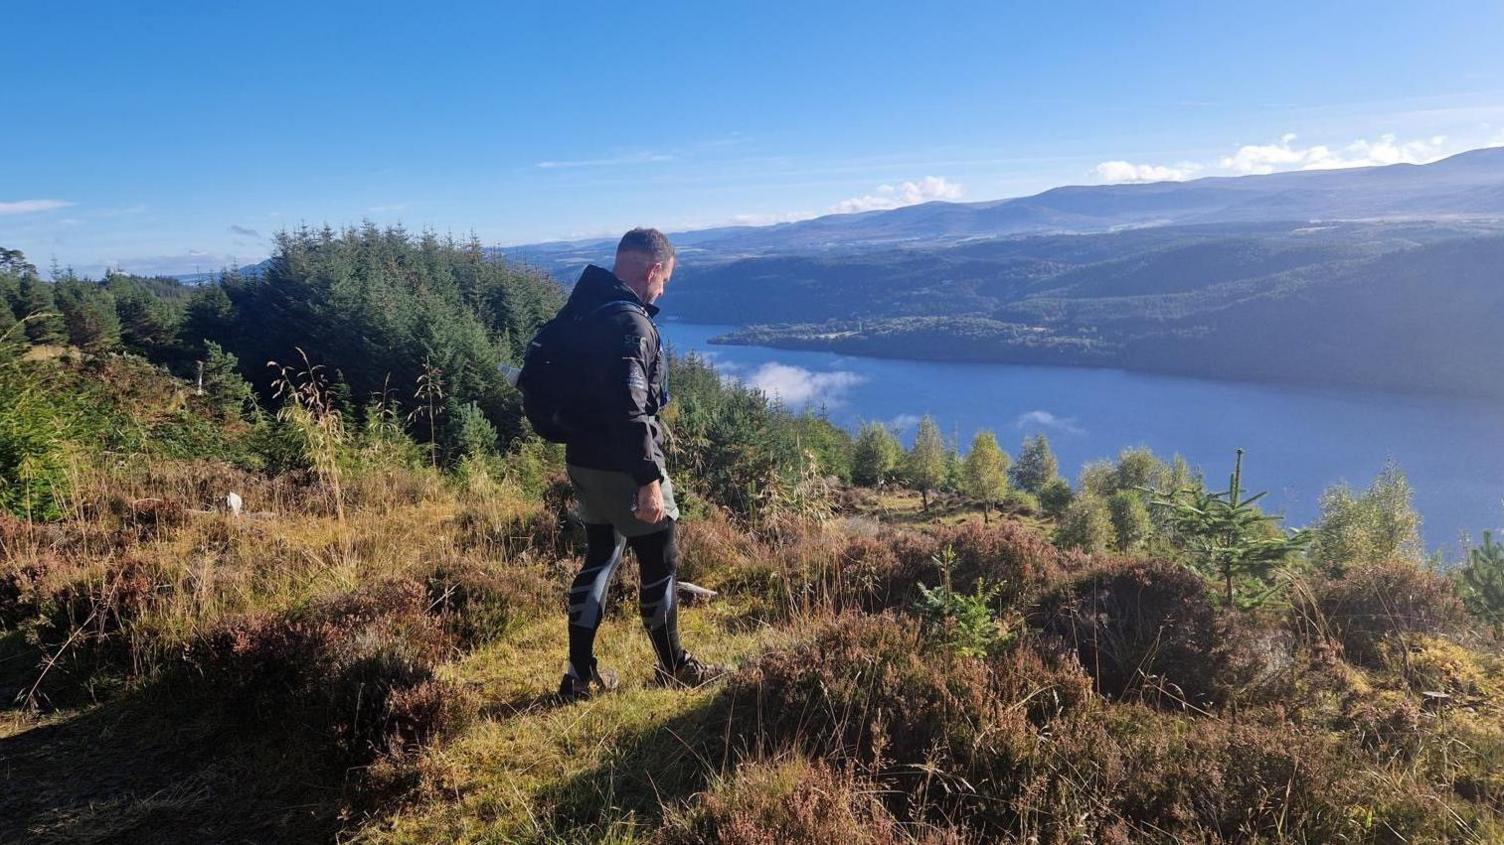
[{"x": 553, "y": 375}]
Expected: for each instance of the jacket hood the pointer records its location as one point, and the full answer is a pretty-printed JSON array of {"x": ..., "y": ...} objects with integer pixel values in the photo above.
[{"x": 598, "y": 286}]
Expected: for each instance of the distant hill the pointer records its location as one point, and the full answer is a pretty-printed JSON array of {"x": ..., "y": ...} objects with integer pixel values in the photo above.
[
  {"x": 1469, "y": 185},
  {"x": 1406, "y": 307},
  {"x": 247, "y": 270}
]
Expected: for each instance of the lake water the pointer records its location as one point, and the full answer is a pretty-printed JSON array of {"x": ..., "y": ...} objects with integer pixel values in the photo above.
[{"x": 1298, "y": 440}]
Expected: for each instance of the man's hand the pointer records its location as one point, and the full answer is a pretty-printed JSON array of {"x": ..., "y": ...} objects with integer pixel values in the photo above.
[{"x": 650, "y": 503}]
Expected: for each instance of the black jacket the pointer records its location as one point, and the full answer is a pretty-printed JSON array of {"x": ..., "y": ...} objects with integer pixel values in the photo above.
[{"x": 625, "y": 380}]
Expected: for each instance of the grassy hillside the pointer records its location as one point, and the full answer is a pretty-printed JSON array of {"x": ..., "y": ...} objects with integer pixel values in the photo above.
[{"x": 365, "y": 653}]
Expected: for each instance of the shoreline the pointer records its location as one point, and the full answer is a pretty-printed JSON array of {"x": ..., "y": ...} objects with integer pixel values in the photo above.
[{"x": 1055, "y": 362}]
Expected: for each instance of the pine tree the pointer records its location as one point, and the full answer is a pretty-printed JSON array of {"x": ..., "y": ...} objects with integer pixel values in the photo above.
[
  {"x": 875, "y": 455},
  {"x": 45, "y": 325},
  {"x": 1482, "y": 584},
  {"x": 208, "y": 316},
  {"x": 89, "y": 314},
  {"x": 984, "y": 475},
  {"x": 471, "y": 435},
  {"x": 1233, "y": 544},
  {"x": 12, "y": 337},
  {"x": 226, "y": 389},
  {"x": 925, "y": 464},
  {"x": 147, "y": 324},
  {"x": 1036, "y": 465},
  {"x": 10, "y": 294}
]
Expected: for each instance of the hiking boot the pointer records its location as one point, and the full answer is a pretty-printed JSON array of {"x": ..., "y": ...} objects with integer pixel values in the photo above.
[
  {"x": 690, "y": 673},
  {"x": 574, "y": 688}
]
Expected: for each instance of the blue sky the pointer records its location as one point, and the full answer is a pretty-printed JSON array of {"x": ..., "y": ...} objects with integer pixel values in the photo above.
[{"x": 169, "y": 137}]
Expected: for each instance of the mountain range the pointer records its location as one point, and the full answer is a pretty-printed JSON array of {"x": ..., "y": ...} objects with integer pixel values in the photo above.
[{"x": 1469, "y": 185}]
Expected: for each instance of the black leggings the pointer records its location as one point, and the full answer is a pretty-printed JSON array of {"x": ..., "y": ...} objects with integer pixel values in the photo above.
[{"x": 658, "y": 560}]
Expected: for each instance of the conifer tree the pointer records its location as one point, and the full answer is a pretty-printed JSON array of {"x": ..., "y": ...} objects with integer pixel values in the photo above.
[
  {"x": 208, "y": 316},
  {"x": 1233, "y": 544},
  {"x": 37, "y": 302},
  {"x": 1036, "y": 465},
  {"x": 10, "y": 294},
  {"x": 925, "y": 463},
  {"x": 89, "y": 314},
  {"x": 12, "y": 337},
  {"x": 1482, "y": 584},
  {"x": 984, "y": 475},
  {"x": 224, "y": 386},
  {"x": 147, "y": 324}
]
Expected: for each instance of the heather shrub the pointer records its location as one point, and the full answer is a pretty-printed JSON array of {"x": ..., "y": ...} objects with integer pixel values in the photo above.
[
  {"x": 478, "y": 604},
  {"x": 1369, "y": 603},
  {"x": 1006, "y": 555},
  {"x": 24, "y": 571},
  {"x": 1143, "y": 627},
  {"x": 88, "y": 623},
  {"x": 1017, "y": 748},
  {"x": 790, "y": 800},
  {"x": 712, "y": 549},
  {"x": 865, "y": 690},
  {"x": 148, "y": 518},
  {"x": 358, "y": 666},
  {"x": 1176, "y": 778}
]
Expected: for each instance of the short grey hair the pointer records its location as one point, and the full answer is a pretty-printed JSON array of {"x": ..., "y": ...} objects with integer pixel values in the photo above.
[{"x": 649, "y": 242}]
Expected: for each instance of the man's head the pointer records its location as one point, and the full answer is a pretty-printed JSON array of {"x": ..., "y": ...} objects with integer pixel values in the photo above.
[{"x": 645, "y": 261}]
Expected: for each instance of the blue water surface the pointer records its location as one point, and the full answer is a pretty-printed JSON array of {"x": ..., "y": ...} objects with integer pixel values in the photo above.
[{"x": 1298, "y": 440}]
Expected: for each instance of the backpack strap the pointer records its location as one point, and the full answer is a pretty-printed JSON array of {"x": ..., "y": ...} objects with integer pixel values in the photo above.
[
  {"x": 619, "y": 306},
  {"x": 616, "y": 306}
]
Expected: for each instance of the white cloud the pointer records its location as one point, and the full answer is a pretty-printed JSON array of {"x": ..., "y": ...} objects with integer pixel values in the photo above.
[
  {"x": 797, "y": 386},
  {"x": 1123, "y": 171},
  {"x": 769, "y": 218},
  {"x": 1045, "y": 419},
  {"x": 32, "y": 206},
  {"x": 631, "y": 158},
  {"x": 906, "y": 193},
  {"x": 1269, "y": 158},
  {"x": 902, "y": 423}
]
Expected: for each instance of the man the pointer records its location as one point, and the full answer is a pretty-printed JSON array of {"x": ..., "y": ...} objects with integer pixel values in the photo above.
[{"x": 615, "y": 463}]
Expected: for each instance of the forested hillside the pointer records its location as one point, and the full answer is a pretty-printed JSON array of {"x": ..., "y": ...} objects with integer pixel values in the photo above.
[
  {"x": 950, "y": 643},
  {"x": 1404, "y": 307}
]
